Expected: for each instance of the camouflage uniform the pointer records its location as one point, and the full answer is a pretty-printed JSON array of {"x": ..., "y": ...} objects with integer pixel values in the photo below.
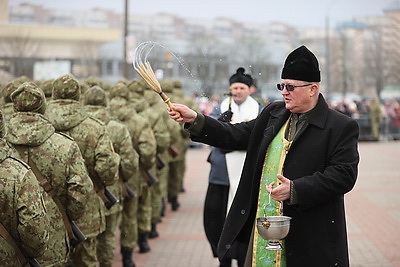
[
  {"x": 145, "y": 144},
  {"x": 7, "y": 90},
  {"x": 188, "y": 101},
  {"x": 179, "y": 144},
  {"x": 159, "y": 127},
  {"x": 47, "y": 87},
  {"x": 58, "y": 159},
  {"x": 68, "y": 115},
  {"x": 22, "y": 205},
  {"x": 96, "y": 102},
  {"x": 158, "y": 106}
]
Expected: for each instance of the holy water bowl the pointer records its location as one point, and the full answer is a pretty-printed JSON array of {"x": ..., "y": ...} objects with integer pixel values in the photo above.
[{"x": 273, "y": 228}]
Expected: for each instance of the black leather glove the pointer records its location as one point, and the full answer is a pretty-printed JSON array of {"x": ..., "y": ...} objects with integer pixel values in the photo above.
[{"x": 226, "y": 116}]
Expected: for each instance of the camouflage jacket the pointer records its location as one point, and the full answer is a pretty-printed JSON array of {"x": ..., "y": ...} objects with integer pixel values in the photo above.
[
  {"x": 7, "y": 110},
  {"x": 23, "y": 211},
  {"x": 59, "y": 160},
  {"x": 122, "y": 143},
  {"x": 101, "y": 161},
  {"x": 142, "y": 135},
  {"x": 158, "y": 125}
]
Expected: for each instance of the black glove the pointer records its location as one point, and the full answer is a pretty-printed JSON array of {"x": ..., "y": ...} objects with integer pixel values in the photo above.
[{"x": 226, "y": 116}]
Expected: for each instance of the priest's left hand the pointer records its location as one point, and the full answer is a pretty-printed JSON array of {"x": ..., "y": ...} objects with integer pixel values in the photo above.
[{"x": 282, "y": 191}]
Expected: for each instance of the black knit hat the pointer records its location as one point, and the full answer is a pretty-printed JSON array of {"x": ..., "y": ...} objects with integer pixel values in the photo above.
[
  {"x": 301, "y": 64},
  {"x": 241, "y": 77}
]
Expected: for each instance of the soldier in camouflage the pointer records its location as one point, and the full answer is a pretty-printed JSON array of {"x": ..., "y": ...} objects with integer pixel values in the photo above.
[
  {"x": 179, "y": 145},
  {"x": 23, "y": 212},
  {"x": 96, "y": 104},
  {"x": 7, "y": 90},
  {"x": 144, "y": 142},
  {"x": 180, "y": 96},
  {"x": 47, "y": 87},
  {"x": 59, "y": 161},
  {"x": 159, "y": 107},
  {"x": 67, "y": 115},
  {"x": 158, "y": 124}
]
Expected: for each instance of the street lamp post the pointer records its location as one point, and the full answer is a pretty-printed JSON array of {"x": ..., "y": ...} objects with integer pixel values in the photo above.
[{"x": 125, "y": 39}]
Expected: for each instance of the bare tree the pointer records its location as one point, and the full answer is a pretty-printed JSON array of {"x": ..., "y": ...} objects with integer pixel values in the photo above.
[
  {"x": 20, "y": 50},
  {"x": 207, "y": 63},
  {"x": 86, "y": 65},
  {"x": 375, "y": 71}
]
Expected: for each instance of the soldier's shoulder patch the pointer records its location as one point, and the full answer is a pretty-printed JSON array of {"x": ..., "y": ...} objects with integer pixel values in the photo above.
[
  {"x": 97, "y": 120},
  {"x": 23, "y": 163},
  {"x": 66, "y": 135}
]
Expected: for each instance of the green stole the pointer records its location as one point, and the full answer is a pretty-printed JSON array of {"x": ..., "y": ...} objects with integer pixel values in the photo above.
[{"x": 273, "y": 164}]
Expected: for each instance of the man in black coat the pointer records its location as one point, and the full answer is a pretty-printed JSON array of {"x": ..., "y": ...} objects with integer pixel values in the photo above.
[{"x": 321, "y": 165}]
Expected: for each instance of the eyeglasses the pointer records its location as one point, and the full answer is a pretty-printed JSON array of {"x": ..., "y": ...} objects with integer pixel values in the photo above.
[{"x": 290, "y": 87}]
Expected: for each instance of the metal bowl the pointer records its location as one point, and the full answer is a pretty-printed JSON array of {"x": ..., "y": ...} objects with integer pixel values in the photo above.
[{"x": 273, "y": 227}]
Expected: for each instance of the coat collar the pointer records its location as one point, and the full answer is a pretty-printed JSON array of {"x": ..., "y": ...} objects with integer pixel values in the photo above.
[
  {"x": 317, "y": 116},
  {"x": 319, "y": 113}
]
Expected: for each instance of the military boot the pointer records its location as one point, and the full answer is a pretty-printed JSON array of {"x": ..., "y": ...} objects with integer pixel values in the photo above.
[
  {"x": 143, "y": 243},
  {"x": 153, "y": 233},
  {"x": 127, "y": 260},
  {"x": 174, "y": 203},
  {"x": 163, "y": 207}
]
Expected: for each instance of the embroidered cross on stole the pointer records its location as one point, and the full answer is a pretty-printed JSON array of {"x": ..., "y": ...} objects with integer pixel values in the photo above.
[{"x": 273, "y": 164}]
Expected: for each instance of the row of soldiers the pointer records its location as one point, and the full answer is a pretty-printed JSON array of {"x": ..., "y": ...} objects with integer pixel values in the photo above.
[{"x": 80, "y": 159}]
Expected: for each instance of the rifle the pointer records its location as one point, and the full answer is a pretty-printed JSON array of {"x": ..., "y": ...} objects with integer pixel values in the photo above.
[
  {"x": 130, "y": 193},
  {"x": 34, "y": 263},
  {"x": 109, "y": 199},
  {"x": 151, "y": 179},
  {"x": 159, "y": 162},
  {"x": 173, "y": 151},
  {"x": 78, "y": 235}
]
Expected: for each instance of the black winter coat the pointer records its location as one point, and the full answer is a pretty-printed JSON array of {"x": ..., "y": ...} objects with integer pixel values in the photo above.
[{"x": 323, "y": 164}]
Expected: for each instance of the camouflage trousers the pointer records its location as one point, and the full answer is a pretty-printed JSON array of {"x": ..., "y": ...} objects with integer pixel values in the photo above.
[
  {"x": 175, "y": 177},
  {"x": 106, "y": 241},
  {"x": 162, "y": 175},
  {"x": 128, "y": 225},
  {"x": 144, "y": 210},
  {"x": 156, "y": 202},
  {"x": 84, "y": 254}
]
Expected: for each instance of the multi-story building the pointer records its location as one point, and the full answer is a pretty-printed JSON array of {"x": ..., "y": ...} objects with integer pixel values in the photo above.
[{"x": 201, "y": 52}]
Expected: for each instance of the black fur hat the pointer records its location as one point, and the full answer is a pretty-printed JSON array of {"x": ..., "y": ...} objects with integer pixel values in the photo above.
[
  {"x": 301, "y": 64},
  {"x": 241, "y": 77}
]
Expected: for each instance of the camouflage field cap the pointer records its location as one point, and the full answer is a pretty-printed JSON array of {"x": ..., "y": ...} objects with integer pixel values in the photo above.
[
  {"x": 11, "y": 87},
  {"x": 92, "y": 81},
  {"x": 167, "y": 86},
  {"x": 137, "y": 86},
  {"x": 66, "y": 87},
  {"x": 177, "y": 84},
  {"x": 151, "y": 97},
  {"x": 47, "y": 87},
  {"x": 119, "y": 89},
  {"x": 95, "y": 96},
  {"x": 8, "y": 89},
  {"x": 29, "y": 97}
]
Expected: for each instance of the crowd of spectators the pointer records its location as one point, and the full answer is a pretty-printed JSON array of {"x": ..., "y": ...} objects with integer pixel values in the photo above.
[{"x": 378, "y": 119}]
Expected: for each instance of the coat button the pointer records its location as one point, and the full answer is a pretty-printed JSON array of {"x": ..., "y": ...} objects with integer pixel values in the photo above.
[
  {"x": 228, "y": 246},
  {"x": 243, "y": 212}
]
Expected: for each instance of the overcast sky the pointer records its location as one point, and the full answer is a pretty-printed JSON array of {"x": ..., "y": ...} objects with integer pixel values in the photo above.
[{"x": 293, "y": 12}]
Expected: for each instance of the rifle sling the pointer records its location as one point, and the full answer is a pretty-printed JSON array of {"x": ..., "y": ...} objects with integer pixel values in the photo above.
[
  {"x": 49, "y": 189},
  {"x": 10, "y": 240}
]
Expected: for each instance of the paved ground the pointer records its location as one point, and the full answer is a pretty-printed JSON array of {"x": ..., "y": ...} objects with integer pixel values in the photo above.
[{"x": 373, "y": 214}]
